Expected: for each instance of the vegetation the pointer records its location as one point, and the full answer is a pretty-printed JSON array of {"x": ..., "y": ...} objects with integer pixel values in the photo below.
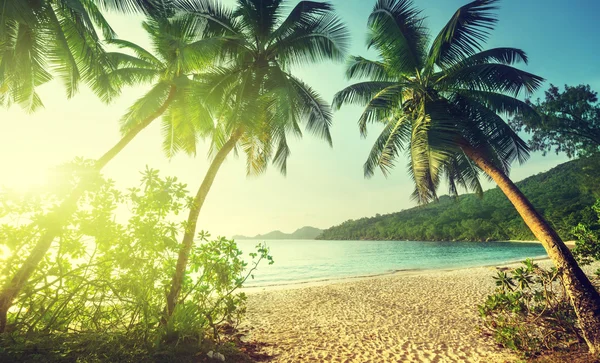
[
  {"x": 570, "y": 122},
  {"x": 530, "y": 311},
  {"x": 587, "y": 246},
  {"x": 441, "y": 102},
  {"x": 564, "y": 195},
  {"x": 43, "y": 39},
  {"x": 180, "y": 50},
  {"x": 256, "y": 98},
  {"x": 72, "y": 268},
  {"x": 111, "y": 277}
]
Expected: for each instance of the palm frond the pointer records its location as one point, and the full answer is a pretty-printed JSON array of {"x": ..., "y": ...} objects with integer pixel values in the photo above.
[
  {"x": 435, "y": 129},
  {"x": 503, "y": 55},
  {"x": 148, "y": 7},
  {"x": 500, "y": 103},
  {"x": 325, "y": 39},
  {"x": 381, "y": 106},
  {"x": 283, "y": 151},
  {"x": 464, "y": 34},
  {"x": 303, "y": 15},
  {"x": 259, "y": 17},
  {"x": 314, "y": 109},
  {"x": 360, "y": 93},
  {"x": 397, "y": 32},
  {"x": 392, "y": 139},
  {"x": 137, "y": 50},
  {"x": 146, "y": 106},
  {"x": 491, "y": 77},
  {"x": 220, "y": 20},
  {"x": 359, "y": 67},
  {"x": 462, "y": 171}
]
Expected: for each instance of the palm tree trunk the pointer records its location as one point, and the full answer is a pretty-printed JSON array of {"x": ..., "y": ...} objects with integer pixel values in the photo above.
[
  {"x": 584, "y": 297},
  {"x": 56, "y": 220},
  {"x": 190, "y": 231}
]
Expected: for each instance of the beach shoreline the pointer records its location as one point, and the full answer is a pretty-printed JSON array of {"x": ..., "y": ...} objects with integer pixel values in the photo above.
[
  {"x": 421, "y": 316},
  {"x": 404, "y": 272}
]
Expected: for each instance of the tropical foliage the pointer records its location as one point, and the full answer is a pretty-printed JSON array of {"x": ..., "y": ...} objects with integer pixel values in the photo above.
[
  {"x": 257, "y": 99},
  {"x": 564, "y": 195},
  {"x": 441, "y": 102},
  {"x": 109, "y": 276},
  {"x": 570, "y": 122},
  {"x": 40, "y": 39},
  {"x": 587, "y": 246},
  {"x": 180, "y": 49},
  {"x": 433, "y": 97},
  {"x": 43, "y": 39},
  {"x": 530, "y": 311}
]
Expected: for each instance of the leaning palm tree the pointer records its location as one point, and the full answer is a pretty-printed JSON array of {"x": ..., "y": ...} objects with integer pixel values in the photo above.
[
  {"x": 179, "y": 50},
  {"x": 441, "y": 102},
  {"x": 257, "y": 100}
]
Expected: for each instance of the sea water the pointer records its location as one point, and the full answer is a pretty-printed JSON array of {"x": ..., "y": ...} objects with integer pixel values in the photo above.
[{"x": 298, "y": 261}]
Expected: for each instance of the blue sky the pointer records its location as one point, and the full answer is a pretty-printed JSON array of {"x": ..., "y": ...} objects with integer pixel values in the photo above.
[{"x": 324, "y": 185}]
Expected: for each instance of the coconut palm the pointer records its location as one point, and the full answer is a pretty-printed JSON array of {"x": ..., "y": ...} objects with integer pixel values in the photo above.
[
  {"x": 39, "y": 39},
  {"x": 440, "y": 102},
  {"x": 260, "y": 100},
  {"x": 178, "y": 51}
]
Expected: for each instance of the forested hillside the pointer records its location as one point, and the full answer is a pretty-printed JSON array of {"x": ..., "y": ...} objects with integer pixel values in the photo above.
[{"x": 563, "y": 195}]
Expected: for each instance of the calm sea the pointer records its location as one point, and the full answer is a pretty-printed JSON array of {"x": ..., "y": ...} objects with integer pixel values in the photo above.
[{"x": 310, "y": 260}]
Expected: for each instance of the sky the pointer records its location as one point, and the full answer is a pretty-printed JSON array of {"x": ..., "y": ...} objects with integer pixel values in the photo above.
[{"x": 324, "y": 186}]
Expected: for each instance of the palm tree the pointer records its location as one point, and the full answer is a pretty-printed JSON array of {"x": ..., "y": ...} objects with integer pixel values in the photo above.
[
  {"x": 260, "y": 100},
  {"x": 179, "y": 50},
  {"x": 45, "y": 37},
  {"x": 440, "y": 102}
]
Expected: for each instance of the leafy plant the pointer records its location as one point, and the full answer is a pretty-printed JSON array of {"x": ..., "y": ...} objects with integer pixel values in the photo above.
[
  {"x": 110, "y": 274},
  {"x": 530, "y": 311},
  {"x": 587, "y": 246}
]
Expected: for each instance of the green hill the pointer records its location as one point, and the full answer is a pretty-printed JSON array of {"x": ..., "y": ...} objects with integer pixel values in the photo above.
[
  {"x": 563, "y": 195},
  {"x": 301, "y": 233}
]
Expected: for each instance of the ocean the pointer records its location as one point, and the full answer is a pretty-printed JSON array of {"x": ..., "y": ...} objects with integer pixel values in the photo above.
[{"x": 298, "y": 261}]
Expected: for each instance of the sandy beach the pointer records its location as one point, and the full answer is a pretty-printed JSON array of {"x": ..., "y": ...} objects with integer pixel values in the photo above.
[{"x": 426, "y": 316}]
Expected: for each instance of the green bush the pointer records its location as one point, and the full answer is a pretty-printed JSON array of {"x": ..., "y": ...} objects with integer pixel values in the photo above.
[
  {"x": 587, "y": 246},
  {"x": 108, "y": 273},
  {"x": 530, "y": 311}
]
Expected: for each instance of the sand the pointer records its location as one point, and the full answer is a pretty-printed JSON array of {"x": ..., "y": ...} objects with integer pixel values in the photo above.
[{"x": 428, "y": 316}]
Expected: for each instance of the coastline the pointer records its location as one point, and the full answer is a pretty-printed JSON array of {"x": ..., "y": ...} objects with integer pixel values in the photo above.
[{"x": 405, "y": 272}]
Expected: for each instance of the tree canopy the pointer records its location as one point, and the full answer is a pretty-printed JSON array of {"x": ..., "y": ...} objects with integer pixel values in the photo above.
[
  {"x": 434, "y": 97},
  {"x": 569, "y": 122}
]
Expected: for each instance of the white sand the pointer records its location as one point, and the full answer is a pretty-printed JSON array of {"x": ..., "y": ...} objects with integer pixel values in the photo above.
[{"x": 407, "y": 317}]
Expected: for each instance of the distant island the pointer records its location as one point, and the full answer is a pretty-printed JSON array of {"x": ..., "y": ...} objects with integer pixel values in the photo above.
[
  {"x": 564, "y": 195},
  {"x": 301, "y": 233}
]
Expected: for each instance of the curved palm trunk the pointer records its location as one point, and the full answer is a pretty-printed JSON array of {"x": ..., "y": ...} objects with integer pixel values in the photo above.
[
  {"x": 56, "y": 219},
  {"x": 190, "y": 231},
  {"x": 584, "y": 297}
]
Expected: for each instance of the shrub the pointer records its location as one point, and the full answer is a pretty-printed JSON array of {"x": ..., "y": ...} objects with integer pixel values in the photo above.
[
  {"x": 587, "y": 246},
  {"x": 530, "y": 311},
  {"x": 109, "y": 271}
]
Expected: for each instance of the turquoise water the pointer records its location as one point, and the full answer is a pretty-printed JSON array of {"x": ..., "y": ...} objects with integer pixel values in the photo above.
[{"x": 301, "y": 261}]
